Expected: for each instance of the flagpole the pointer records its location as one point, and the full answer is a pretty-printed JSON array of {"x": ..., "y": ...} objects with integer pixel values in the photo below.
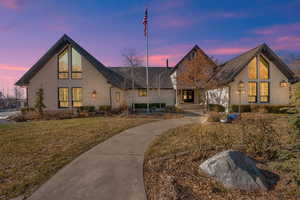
[{"x": 147, "y": 64}]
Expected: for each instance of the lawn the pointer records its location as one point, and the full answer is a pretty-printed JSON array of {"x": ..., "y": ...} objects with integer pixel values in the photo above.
[
  {"x": 31, "y": 152},
  {"x": 172, "y": 161}
]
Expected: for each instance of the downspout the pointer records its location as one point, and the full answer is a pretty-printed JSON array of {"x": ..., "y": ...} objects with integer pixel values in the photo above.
[{"x": 110, "y": 97}]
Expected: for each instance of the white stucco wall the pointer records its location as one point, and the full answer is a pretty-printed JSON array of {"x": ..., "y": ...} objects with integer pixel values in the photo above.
[
  {"x": 278, "y": 95},
  {"x": 92, "y": 80},
  {"x": 166, "y": 96}
]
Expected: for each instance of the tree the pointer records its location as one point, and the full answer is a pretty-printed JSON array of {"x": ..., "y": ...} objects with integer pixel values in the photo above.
[
  {"x": 196, "y": 73},
  {"x": 132, "y": 60},
  {"x": 19, "y": 93},
  {"x": 39, "y": 103}
]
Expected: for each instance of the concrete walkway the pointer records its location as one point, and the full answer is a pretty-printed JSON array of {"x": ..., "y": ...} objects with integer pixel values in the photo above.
[{"x": 113, "y": 170}]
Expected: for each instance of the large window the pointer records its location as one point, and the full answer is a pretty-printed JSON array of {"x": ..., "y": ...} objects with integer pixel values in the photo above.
[
  {"x": 142, "y": 92},
  {"x": 252, "y": 69},
  {"x": 63, "y": 97},
  {"x": 258, "y": 76},
  {"x": 264, "y": 92},
  {"x": 63, "y": 65},
  {"x": 252, "y": 92},
  {"x": 263, "y": 69},
  {"x": 76, "y": 65},
  {"x": 76, "y": 97}
]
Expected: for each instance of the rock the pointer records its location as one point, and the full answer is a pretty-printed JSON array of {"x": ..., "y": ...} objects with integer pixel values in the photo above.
[{"x": 235, "y": 170}]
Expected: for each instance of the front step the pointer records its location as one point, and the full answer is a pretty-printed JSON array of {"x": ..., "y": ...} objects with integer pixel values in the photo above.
[{"x": 190, "y": 106}]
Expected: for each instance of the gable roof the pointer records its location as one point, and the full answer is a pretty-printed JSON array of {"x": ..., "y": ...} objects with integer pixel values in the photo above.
[
  {"x": 112, "y": 77},
  {"x": 189, "y": 54},
  {"x": 230, "y": 69},
  {"x": 139, "y": 74}
]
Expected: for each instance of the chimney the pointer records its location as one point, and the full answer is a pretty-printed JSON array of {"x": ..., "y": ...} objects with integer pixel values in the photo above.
[{"x": 167, "y": 63}]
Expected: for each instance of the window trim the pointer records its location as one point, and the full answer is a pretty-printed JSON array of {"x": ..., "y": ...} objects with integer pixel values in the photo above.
[
  {"x": 256, "y": 91},
  {"x": 58, "y": 100},
  {"x": 260, "y": 56},
  {"x": 71, "y": 64},
  {"x": 72, "y": 101},
  {"x": 68, "y": 72},
  {"x": 142, "y": 89},
  {"x": 268, "y": 101}
]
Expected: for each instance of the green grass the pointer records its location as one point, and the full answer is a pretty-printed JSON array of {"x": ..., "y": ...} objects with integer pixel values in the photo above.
[{"x": 31, "y": 152}]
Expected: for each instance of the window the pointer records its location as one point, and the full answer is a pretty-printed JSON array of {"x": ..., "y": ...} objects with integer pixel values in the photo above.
[
  {"x": 252, "y": 92},
  {"x": 76, "y": 65},
  {"x": 263, "y": 69},
  {"x": 264, "y": 92},
  {"x": 63, "y": 65},
  {"x": 118, "y": 97},
  {"x": 76, "y": 97},
  {"x": 63, "y": 97},
  {"x": 252, "y": 69},
  {"x": 142, "y": 92}
]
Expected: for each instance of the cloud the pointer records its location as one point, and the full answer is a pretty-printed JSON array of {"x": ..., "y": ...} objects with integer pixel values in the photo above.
[
  {"x": 13, "y": 4},
  {"x": 12, "y": 68},
  {"x": 279, "y": 29},
  {"x": 227, "y": 50},
  {"x": 160, "y": 59},
  {"x": 226, "y": 15}
]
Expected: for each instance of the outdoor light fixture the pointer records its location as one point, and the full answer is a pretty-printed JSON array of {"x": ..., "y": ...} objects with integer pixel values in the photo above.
[
  {"x": 94, "y": 94},
  {"x": 284, "y": 83},
  {"x": 241, "y": 85}
]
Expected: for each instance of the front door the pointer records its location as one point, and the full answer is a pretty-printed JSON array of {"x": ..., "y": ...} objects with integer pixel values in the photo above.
[{"x": 188, "y": 96}]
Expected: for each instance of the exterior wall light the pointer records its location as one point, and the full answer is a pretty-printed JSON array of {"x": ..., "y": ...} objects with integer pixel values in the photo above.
[
  {"x": 284, "y": 83},
  {"x": 94, "y": 94}
]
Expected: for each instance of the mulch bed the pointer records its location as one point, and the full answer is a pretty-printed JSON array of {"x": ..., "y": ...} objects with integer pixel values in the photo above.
[{"x": 178, "y": 178}]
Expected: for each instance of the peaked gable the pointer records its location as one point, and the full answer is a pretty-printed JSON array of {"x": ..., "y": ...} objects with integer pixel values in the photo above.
[
  {"x": 230, "y": 69},
  {"x": 190, "y": 54},
  {"x": 112, "y": 77}
]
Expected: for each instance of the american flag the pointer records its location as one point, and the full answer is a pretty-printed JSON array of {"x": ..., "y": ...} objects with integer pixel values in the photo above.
[{"x": 145, "y": 22}]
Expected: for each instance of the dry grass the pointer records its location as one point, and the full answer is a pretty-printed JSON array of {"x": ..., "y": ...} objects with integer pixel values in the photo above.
[
  {"x": 268, "y": 145},
  {"x": 33, "y": 151}
]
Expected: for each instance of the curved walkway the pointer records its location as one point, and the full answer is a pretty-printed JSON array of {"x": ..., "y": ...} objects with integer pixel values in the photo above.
[{"x": 113, "y": 170}]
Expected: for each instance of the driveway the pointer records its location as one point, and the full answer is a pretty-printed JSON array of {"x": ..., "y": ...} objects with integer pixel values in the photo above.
[{"x": 113, "y": 170}]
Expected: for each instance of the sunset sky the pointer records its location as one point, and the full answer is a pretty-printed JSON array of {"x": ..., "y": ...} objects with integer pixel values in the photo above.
[{"x": 222, "y": 28}]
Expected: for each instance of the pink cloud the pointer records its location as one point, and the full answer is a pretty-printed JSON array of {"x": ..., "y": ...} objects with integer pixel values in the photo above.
[
  {"x": 12, "y": 68},
  {"x": 12, "y": 4},
  {"x": 227, "y": 50},
  {"x": 278, "y": 29},
  {"x": 168, "y": 4},
  {"x": 160, "y": 59}
]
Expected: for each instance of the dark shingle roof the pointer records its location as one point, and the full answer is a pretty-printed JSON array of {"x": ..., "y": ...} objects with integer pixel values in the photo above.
[
  {"x": 227, "y": 71},
  {"x": 139, "y": 74},
  {"x": 112, "y": 77}
]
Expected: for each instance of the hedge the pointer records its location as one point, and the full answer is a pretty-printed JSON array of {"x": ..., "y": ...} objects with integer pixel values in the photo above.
[
  {"x": 282, "y": 109},
  {"x": 151, "y": 105},
  {"x": 216, "y": 107}
]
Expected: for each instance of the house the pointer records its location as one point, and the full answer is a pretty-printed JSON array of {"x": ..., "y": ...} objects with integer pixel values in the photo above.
[{"x": 71, "y": 77}]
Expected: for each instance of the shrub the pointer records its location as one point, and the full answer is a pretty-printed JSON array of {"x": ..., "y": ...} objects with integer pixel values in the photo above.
[
  {"x": 258, "y": 108},
  {"x": 87, "y": 109},
  {"x": 151, "y": 105},
  {"x": 260, "y": 138},
  {"x": 27, "y": 109},
  {"x": 214, "y": 117},
  {"x": 140, "y": 106},
  {"x": 172, "y": 109},
  {"x": 216, "y": 107},
  {"x": 294, "y": 125},
  {"x": 244, "y": 108},
  {"x": 58, "y": 114},
  {"x": 105, "y": 108}
]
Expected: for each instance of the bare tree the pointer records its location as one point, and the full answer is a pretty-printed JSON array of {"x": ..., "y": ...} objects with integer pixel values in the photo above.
[
  {"x": 132, "y": 60},
  {"x": 196, "y": 74},
  {"x": 19, "y": 93}
]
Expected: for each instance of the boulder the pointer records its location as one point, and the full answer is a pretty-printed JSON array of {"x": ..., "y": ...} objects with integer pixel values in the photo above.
[{"x": 235, "y": 170}]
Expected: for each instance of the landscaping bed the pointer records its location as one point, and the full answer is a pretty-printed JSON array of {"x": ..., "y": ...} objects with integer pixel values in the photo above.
[
  {"x": 171, "y": 167},
  {"x": 31, "y": 152}
]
